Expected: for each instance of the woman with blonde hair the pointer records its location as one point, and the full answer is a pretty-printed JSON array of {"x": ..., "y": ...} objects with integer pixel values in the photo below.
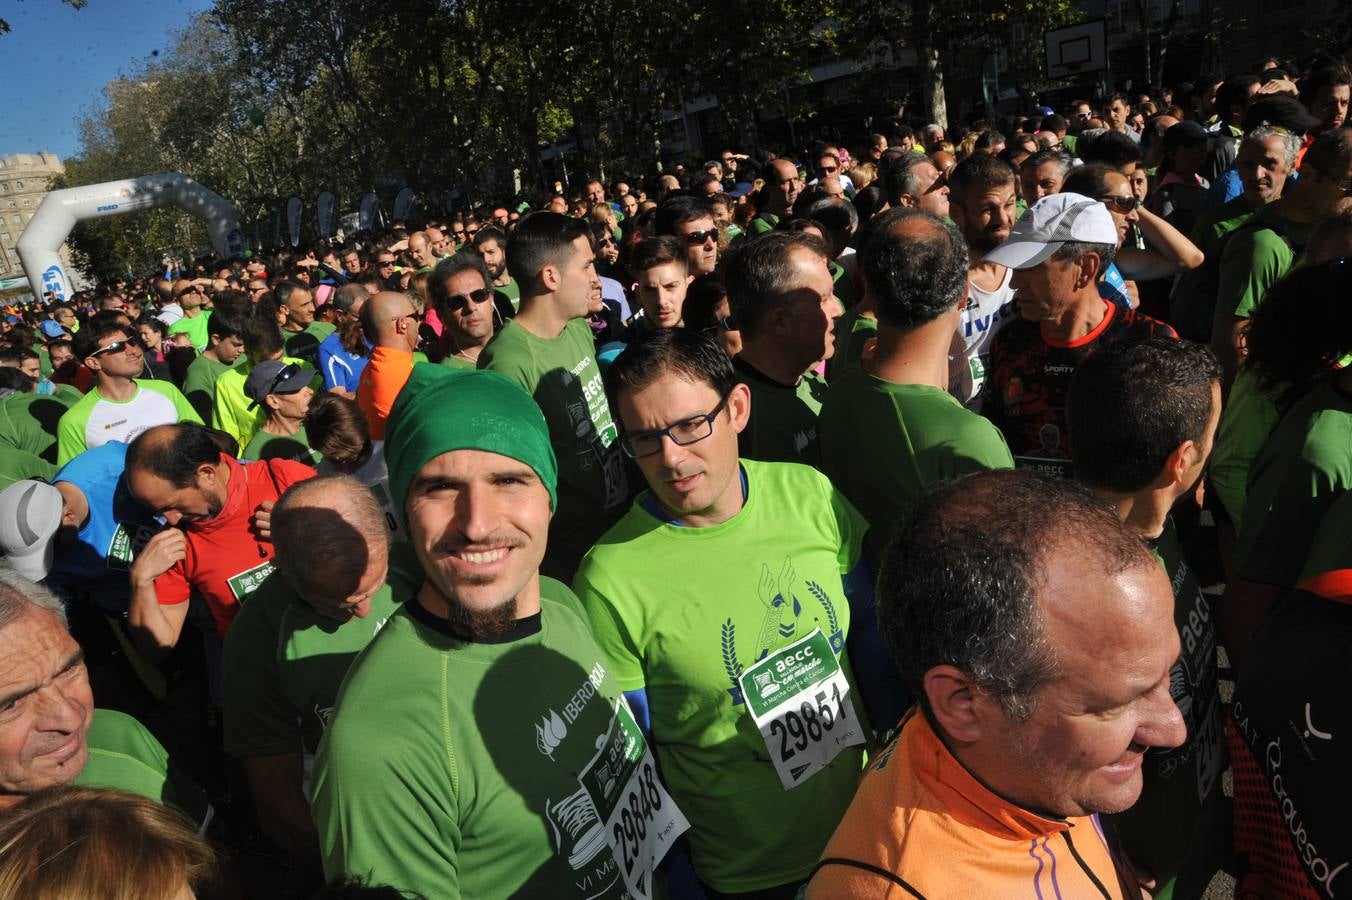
[{"x": 74, "y": 843}]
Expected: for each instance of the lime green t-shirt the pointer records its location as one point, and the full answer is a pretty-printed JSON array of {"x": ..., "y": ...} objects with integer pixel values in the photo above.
[
  {"x": 30, "y": 422},
  {"x": 1179, "y": 829},
  {"x": 681, "y": 612},
  {"x": 230, "y": 411},
  {"x": 1190, "y": 310},
  {"x": 305, "y": 344},
  {"x": 284, "y": 663},
  {"x": 197, "y": 329},
  {"x": 124, "y": 756},
  {"x": 783, "y": 423},
  {"x": 199, "y": 383},
  {"x": 883, "y": 444},
  {"x": 1303, "y": 468},
  {"x": 451, "y": 768},
  {"x": 562, "y": 375},
  {"x": 1248, "y": 420},
  {"x": 93, "y": 421},
  {"x": 264, "y": 445},
  {"x": 1253, "y": 259}
]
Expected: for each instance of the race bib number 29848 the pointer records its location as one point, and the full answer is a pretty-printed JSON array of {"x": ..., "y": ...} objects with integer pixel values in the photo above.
[
  {"x": 641, "y": 820},
  {"x": 799, "y": 699}
]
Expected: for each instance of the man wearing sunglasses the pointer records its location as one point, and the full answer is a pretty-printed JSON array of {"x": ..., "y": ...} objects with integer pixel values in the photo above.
[
  {"x": 691, "y": 219},
  {"x": 463, "y": 298},
  {"x": 119, "y": 405},
  {"x": 390, "y": 323},
  {"x": 191, "y": 297},
  {"x": 282, "y": 391},
  {"x": 725, "y": 570}
]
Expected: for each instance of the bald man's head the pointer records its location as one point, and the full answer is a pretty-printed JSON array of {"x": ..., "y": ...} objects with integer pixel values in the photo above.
[
  {"x": 421, "y": 248},
  {"x": 389, "y": 320},
  {"x": 332, "y": 544}
]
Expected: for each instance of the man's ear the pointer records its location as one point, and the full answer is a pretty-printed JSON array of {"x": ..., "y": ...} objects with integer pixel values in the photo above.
[
  {"x": 1183, "y": 458},
  {"x": 953, "y": 702},
  {"x": 551, "y": 277}
]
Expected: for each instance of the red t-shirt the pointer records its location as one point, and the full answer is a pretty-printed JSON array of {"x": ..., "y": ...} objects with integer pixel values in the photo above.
[{"x": 225, "y": 560}]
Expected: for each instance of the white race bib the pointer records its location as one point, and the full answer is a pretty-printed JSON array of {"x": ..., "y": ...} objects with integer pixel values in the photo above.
[
  {"x": 641, "y": 820},
  {"x": 800, "y": 701}
]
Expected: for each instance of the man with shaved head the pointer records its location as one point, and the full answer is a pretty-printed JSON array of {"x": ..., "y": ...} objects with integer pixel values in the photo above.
[
  {"x": 390, "y": 323},
  {"x": 213, "y": 545},
  {"x": 775, "y": 199},
  {"x": 292, "y": 643}
]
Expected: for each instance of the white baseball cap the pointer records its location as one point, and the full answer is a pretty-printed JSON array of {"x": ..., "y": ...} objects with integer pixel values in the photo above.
[
  {"x": 30, "y": 515},
  {"x": 1051, "y": 222}
]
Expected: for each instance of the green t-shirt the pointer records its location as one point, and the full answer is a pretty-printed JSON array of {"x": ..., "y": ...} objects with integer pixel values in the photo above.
[
  {"x": 305, "y": 344},
  {"x": 1248, "y": 420},
  {"x": 853, "y": 332},
  {"x": 763, "y": 223},
  {"x": 1303, "y": 468},
  {"x": 197, "y": 329},
  {"x": 1331, "y": 551},
  {"x": 562, "y": 375},
  {"x": 199, "y": 383},
  {"x": 783, "y": 423},
  {"x": 93, "y": 421},
  {"x": 264, "y": 445},
  {"x": 1190, "y": 310},
  {"x": 30, "y": 422},
  {"x": 230, "y": 411},
  {"x": 284, "y": 663},
  {"x": 1179, "y": 829},
  {"x": 843, "y": 284},
  {"x": 883, "y": 444},
  {"x": 1254, "y": 258},
  {"x": 682, "y": 612},
  {"x": 512, "y": 291},
  {"x": 452, "y": 768},
  {"x": 124, "y": 756},
  {"x": 16, "y": 465},
  {"x": 451, "y": 361}
]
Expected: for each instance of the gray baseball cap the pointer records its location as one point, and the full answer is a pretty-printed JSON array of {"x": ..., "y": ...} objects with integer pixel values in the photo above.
[{"x": 30, "y": 515}]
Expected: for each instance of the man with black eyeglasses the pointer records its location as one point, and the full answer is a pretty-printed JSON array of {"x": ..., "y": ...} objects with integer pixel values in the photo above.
[
  {"x": 462, "y": 295},
  {"x": 120, "y": 405},
  {"x": 691, "y": 220},
  {"x": 722, "y": 577},
  {"x": 829, "y": 170}
]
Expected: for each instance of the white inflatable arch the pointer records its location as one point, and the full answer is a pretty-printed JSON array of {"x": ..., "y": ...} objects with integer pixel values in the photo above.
[{"x": 59, "y": 212}]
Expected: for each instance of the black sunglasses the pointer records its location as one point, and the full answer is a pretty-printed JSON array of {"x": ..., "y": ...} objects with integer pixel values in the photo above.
[
  {"x": 699, "y": 237},
  {"x": 1123, "y": 205},
  {"x": 290, "y": 370},
  {"x": 458, "y": 302},
  {"x": 118, "y": 346}
]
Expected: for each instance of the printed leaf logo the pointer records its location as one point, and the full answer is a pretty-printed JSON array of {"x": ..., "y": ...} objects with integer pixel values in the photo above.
[{"x": 549, "y": 734}]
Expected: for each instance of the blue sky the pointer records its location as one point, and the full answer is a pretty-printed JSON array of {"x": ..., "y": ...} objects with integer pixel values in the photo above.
[{"x": 57, "y": 60}]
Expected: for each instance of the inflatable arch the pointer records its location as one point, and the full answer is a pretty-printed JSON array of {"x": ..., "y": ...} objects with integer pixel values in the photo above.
[{"x": 59, "y": 212}]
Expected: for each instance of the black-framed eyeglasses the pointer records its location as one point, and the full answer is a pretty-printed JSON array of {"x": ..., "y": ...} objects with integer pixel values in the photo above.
[
  {"x": 385, "y": 264},
  {"x": 1123, "y": 205},
  {"x": 118, "y": 346},
  {"x": 700, "y": 237},
  {"x": 691, "y": 431},
  {"x": 459, "y": 302}
]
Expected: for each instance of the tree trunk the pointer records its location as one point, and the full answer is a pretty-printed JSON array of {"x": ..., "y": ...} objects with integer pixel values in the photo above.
[
  {"x": 931, "y": 66},
  {"x": 1169, "y": 27}
]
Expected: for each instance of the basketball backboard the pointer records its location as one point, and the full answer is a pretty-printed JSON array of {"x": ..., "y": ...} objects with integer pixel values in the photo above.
[{"x": 1077, "y": 49}]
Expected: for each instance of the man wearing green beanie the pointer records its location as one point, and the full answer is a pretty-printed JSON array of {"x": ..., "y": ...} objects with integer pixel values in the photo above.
[{"x": 480, "y": 746}]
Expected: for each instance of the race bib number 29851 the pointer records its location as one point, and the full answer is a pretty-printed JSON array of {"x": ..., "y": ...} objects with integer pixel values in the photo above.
[{"x": 800, "y": 701}]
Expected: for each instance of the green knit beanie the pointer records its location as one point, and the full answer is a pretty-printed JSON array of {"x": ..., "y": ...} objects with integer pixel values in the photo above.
[{"x": 442, "y": 409}]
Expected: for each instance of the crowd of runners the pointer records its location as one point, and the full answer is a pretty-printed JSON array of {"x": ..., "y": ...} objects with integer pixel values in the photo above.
[{"x": 803, "y": 525}]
